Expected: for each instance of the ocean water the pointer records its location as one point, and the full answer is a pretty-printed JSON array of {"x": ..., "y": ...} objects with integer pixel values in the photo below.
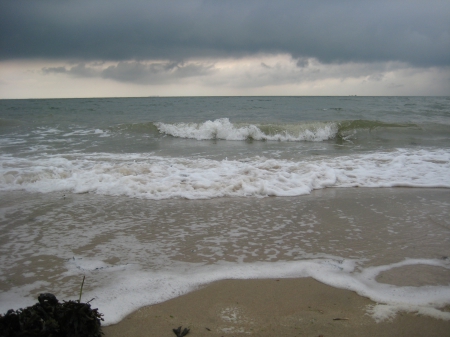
[{"x": 150, "y": 198}]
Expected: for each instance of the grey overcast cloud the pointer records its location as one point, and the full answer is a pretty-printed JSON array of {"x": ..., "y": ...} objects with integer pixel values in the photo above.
[{"x": 98, "y": 48}]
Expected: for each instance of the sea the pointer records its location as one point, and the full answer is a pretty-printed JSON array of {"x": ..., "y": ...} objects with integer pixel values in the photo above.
[{"x": 151, "y": 198}]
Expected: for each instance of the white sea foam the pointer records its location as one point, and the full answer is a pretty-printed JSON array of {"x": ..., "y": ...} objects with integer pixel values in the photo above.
[
  {"x": 19, "y": 297},
  {"x": 47, "y": 131},
  {"x": 85, "y": 132},
  {"x": 154, "y": 287},
  {"x": 153, "y": 177},
  {"x": 223, "y": 129},
  {"x": 121, "y": 292}
]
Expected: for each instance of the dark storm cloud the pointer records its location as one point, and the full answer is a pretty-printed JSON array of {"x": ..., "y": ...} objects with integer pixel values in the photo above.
[
  {"x": 79, "y": 70},
  {"x": 136, "y": 72},
  {"x": 416, "y": 32}
]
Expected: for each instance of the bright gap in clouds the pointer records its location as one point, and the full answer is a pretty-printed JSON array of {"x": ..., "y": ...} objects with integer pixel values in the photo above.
[{"x": 255, "y": 75}]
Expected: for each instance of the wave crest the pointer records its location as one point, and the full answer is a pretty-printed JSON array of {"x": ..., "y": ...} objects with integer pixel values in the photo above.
[{"x": 223, "y": 129}]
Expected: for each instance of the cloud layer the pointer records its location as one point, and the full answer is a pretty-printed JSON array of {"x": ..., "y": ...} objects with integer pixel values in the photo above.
[
  {"x": 136, "y": 72},
  {"x": 79, "y": 48},
  {"x": 413, "y": 32}
]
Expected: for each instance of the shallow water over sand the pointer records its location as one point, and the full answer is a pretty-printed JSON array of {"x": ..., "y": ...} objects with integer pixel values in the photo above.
[{"x": 48, "y": 241}]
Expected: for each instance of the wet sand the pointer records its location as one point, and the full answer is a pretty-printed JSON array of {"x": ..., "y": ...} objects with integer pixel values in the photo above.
[
  {"x": 49, "y": 241},
  {"x": 271, "y": 307}
]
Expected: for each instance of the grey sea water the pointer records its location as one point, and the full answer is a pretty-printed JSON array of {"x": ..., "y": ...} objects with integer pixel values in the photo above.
[
  {"x": 153, "y": 197},
  {"x": 130, "y": 125}
]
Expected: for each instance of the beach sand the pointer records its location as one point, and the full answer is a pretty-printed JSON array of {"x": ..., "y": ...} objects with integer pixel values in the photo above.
[{"x": 271, "y": 307}]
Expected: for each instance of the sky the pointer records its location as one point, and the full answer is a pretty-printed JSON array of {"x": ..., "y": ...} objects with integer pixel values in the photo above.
[{"x": 112, "y": 48}]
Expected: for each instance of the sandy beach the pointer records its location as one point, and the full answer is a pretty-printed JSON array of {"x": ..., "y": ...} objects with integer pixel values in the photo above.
[{"x": 271, "y": 307}]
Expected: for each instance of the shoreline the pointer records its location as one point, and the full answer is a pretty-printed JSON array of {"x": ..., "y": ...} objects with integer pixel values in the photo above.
[
  {"x": 138, "y": 252},
  {"x": 271, "y": 307}
]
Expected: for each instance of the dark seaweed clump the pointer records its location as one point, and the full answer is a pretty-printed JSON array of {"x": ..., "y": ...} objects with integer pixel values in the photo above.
[{"x": 50, "y": 318}]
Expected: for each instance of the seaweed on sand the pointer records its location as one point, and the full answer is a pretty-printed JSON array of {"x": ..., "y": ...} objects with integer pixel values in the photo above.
[
  {"x": 50, "y": 318},
  {"x": 180, "y": 333}
]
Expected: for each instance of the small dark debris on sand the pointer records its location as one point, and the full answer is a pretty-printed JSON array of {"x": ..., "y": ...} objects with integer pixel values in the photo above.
[{"x": 180, "y": 333}]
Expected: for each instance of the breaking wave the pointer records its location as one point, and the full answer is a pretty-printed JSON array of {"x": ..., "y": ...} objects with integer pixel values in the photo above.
[
  {"x": 309, "y": 131},
  {"x": 153, "y": 177}
]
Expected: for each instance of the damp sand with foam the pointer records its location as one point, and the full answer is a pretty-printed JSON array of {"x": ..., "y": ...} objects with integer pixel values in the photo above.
[{"x": 390, "y": 245}]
